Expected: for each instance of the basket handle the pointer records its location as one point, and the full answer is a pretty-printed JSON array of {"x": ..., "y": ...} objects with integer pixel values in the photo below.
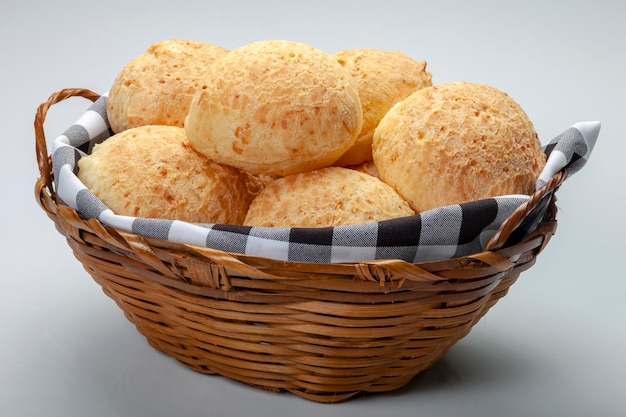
[
  {"x": 41, "y": 149},
  {"x": 507, "y": 227}
]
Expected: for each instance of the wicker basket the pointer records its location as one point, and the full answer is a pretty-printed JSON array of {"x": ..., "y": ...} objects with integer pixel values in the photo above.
[{"x": 325, "y": 332}]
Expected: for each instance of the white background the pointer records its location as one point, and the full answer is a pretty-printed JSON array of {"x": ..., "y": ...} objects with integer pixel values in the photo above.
[{"x": 553, "y": 347}]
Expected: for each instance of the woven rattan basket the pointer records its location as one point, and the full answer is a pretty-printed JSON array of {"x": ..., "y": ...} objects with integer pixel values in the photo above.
[{"x": 325, "y": 332}]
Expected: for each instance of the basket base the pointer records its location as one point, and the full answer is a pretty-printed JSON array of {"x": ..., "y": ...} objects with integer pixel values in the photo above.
[{"x": 314, "y": 367}]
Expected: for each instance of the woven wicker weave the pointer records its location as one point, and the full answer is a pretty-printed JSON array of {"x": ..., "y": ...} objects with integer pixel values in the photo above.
[{"x": 325, "y": 332}]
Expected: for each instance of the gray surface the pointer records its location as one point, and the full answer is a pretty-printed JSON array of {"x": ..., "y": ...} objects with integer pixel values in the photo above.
[{"x": 554, "y": 346}]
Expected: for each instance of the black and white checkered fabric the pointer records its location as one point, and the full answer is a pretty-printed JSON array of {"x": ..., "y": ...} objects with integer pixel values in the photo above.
[{"x": 441, "y": 233}]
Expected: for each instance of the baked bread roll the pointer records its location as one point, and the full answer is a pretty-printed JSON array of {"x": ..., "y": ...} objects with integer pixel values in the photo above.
[
  {"x": 383, "y": 78},
  {"x": 457, "y": 142},
  {"x": 153, "y": 171},
  {"x": 156, "y": 87},
  {"x": 329, "y": 196},
  {"x": 277, "y": 108}
]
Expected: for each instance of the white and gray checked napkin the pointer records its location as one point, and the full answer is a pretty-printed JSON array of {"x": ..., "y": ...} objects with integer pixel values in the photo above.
[{"x": 441, "y": 233}]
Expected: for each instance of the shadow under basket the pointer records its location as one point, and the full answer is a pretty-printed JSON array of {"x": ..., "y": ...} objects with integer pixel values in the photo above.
[{"x": 324, "y": 332}]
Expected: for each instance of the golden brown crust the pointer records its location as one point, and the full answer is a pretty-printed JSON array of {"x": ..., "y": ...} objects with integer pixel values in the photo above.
[
  {"x": 457, "y": 142},
  {"x": 156, "y": 88},
  {"x": 383, "y": 78},
  {"x": 329, "y": 196},
  {"x": 277, "y": 108},
  {"x": 153, "y": 171}
]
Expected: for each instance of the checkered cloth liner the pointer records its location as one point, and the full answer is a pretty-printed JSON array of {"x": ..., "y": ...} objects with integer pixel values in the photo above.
[{"x": 441, "y": 233}]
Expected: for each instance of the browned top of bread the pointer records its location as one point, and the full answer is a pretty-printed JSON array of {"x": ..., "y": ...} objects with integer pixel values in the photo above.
[
  {"x": 457, "y": 142},
  {"x": 275, "y": 107},
  {"x": 329, "y": 196},
  {"x": 153, "y": 171},
  {"x": 383, "y": 78},
  {"x": 156, "y": 87}
]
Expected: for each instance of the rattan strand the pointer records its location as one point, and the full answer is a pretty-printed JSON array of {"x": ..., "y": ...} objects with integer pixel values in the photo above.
[{"x": 325, "y": 332}]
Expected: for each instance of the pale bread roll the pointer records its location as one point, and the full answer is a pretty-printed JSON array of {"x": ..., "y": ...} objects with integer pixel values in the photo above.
[
  {"x": 154, "y": 172},
  {"x": 383, "y": 77},
  {"x": 275, "y": 107},
  {"x": 329, "y": 196},
  {"x": 457, "y": 142},
  {"x": 156, "y": 88}
]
